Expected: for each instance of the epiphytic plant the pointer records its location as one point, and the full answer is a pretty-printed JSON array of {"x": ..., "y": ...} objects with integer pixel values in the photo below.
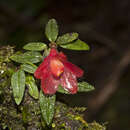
[{"x": 55, "y": 72}]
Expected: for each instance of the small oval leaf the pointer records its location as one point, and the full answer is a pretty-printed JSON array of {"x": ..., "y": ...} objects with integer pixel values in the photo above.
[
  {"x": 67, "y": 38},
  {"x": 51, "y": 30},
  {"x": 62, "y": 90},
  {"x": 17, "y": 58},
  {"x": 35, "y": 46},
  {"x": 29, "y": 67},
  {"x": 85, "y": 87},
  {"x": 30, "y": 56},
  {"x": 32, "y": 87},
  {"x": 76, "y": 45},
  {"x": 82, "y": 87},
  {"x": 47, "y": 105},
  {"x": 18, "y": 85}
]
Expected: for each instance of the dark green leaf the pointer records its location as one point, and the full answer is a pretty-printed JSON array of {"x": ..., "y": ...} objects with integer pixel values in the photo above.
[
  {"x": 47, "y": 105},
  {"x": 51, "y": 30},
  {"x": 67, "y": 38},
  {"x": 29, "y": 67},
  {"x": 85, "y": 87},
  {"x": 76, "y": 45},
  {"x": 33, "y": 90},
  {"x": 18, "y": 85},
  {"x": 62, "y": 90},
  {"x": 30, "y": 56},
  {"x": 35, "y": 46}
]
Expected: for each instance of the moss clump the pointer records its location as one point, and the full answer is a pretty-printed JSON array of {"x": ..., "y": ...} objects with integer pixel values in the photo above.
[{"x": 67, "y": 118}]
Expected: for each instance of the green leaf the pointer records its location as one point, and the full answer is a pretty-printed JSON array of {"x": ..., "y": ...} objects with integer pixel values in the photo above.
[
  {"x": 51, "y": 30},
  {"x": 29, "y": 67},
  {"x": 47, "y": 105},
  {"x": 62, "y": 90},
  {"x": 76, "y": 45},
  {"x": 67, "y": 38},
  {"x": 32, "y": 87},
  {"x": 35, "y": 46},
  {"x": 85, "y": 87},
  {"x": 30, "y": 56},
  {"x": 18, "y": 85},
  {"x": 82, "y": 87}
]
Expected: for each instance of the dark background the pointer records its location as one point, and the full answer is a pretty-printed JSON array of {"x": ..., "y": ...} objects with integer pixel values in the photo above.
[{"x": 103, "y": 24}]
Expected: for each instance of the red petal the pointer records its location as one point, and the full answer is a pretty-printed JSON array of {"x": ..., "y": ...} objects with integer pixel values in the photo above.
[
  {"x": 42, "y": 68},
  {"x": 53, "y": 52},
  {"x": 62, "y": 56},
  {"x": 74, "y": 69},
  {"x": 49, "y": 84},
  {"x": 69, "y": 82}
]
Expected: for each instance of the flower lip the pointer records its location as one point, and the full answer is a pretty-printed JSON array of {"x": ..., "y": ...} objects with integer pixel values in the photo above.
[{"x": 57, "y": 67}]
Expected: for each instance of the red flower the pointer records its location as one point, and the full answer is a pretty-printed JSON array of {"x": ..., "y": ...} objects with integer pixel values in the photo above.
[{"x": 55, "y": 70}]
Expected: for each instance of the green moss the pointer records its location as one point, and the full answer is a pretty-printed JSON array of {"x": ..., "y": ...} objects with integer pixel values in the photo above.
[
  {"x": 72, "y": 118},
  {"x": 96, "y": 126}
]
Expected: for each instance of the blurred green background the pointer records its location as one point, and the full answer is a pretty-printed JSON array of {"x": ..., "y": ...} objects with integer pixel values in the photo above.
[{"x": 104, "y": 26}]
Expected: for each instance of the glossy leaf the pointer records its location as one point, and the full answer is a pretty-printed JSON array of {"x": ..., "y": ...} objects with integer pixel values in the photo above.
[
  {"x": 18, "y": 85},
  {"x": 35, "y": 46},
  {"x": 32, "y": 87},
  {"x": 47, "y": 105},
  {"x": 76, "y": 45},
  {"x": 30, "y": 56},
  {"x": 67, "y": 38},
  {"x": 85, "y": 87},
  {"x": 18, "y": 58},
  {"x": 29, "y": 67},
  {"x": 62, "y": 90},
  {"x": 51, "y": 30},
  {"x": 82, "y": 87}
]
